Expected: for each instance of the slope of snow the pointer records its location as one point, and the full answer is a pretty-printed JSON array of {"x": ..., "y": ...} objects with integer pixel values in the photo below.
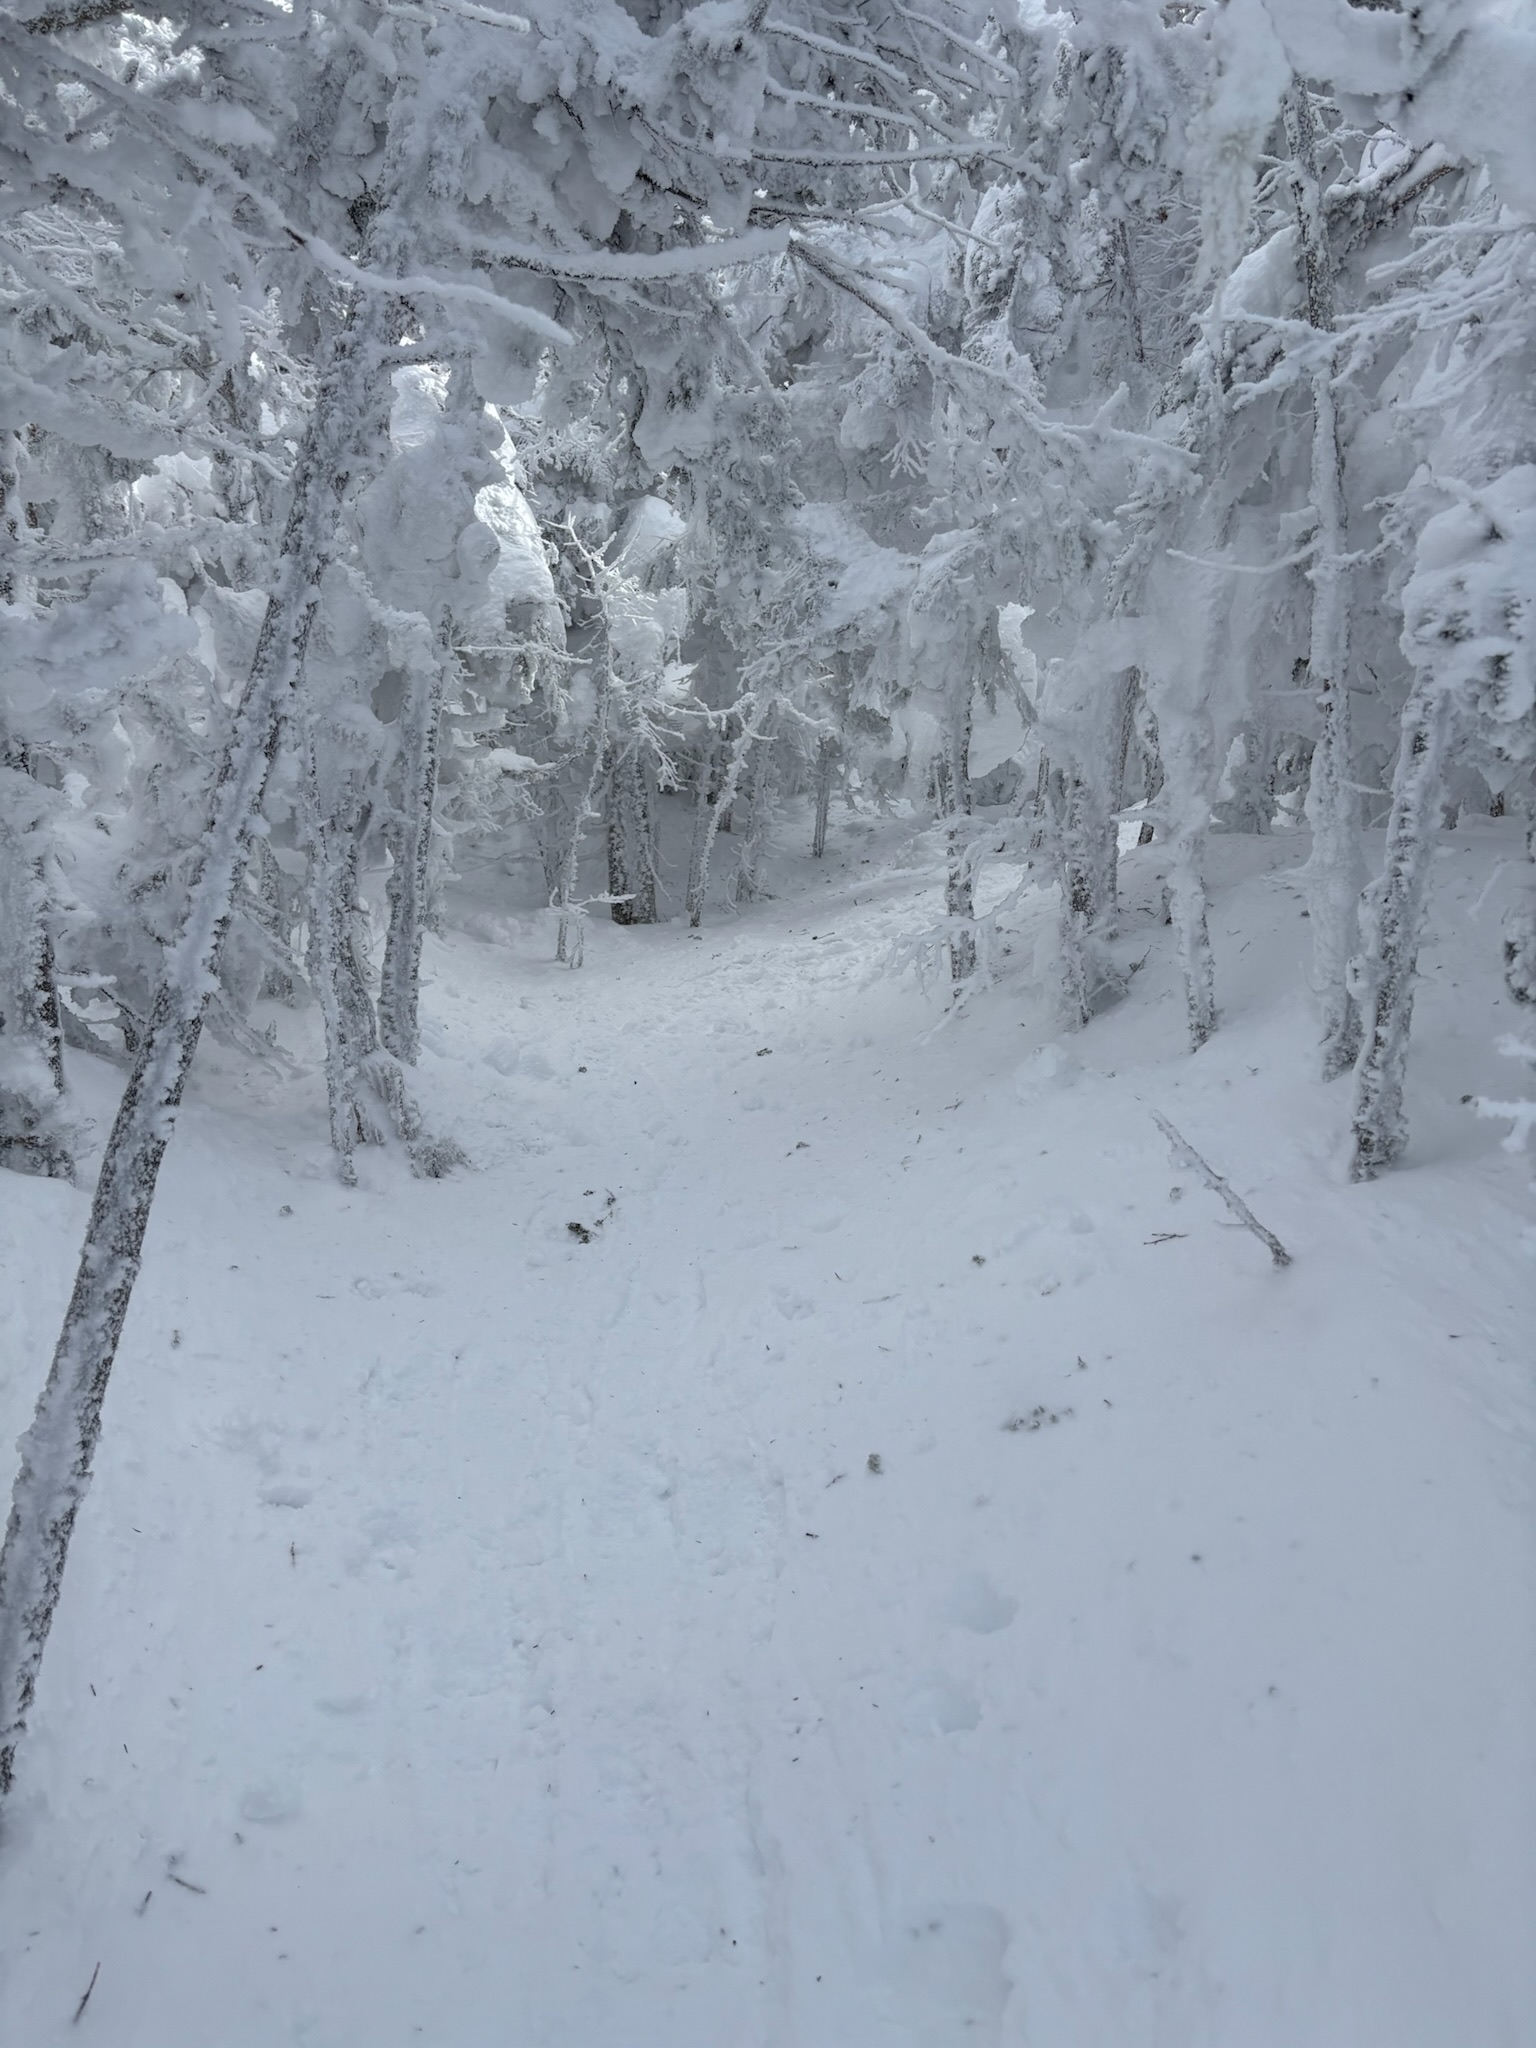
[{"x": 906, "y": 1573}]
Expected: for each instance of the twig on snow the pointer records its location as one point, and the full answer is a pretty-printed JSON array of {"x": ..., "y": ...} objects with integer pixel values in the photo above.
[
  {"x": 1188, "y": 1156},
  {"x": 85, "y": 1996}
]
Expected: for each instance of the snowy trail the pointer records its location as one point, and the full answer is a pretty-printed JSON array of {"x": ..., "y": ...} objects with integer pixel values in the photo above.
[{"x": 478, "y": 1635}]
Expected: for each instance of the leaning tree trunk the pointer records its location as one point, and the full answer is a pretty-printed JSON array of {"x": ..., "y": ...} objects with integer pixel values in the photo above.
[
  {"x": 1394, "y": 922},
  {"x": 58, "y": 1449}
]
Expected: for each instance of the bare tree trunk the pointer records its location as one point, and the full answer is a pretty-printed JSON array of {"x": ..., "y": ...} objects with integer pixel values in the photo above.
[
  {"x": 271, "y": 896},
  {"x": 747, "y": 882},
  {"x": 1520, "y": 929},
  {"x": 33, "y": 1138},
  {"x": 570, "y": 945},
  {"x": 1188, "y": 903},
  {"x": 1080, "y": 796},
  {"x": 1125, "y": 730},
  {"x": 960, "y": 875},
  {"x": 631, "y": 840},
  {"x": 826, "y": 775},
  {"x": 1394, "y": 921},
  {"x": 705, "y": 794},
  {"x": 645, "y": 799},
  {"x": 355, "y": 1061},
  {"x": 960, "y": 903},
  {"x": 714, "y": 814},
  {"x": 409, "y": 838},
  {"x": 1336, "y": 871},
  {"x": 1187, "y": 747},
  {"x": 58, "y": 1449},
  {"x": 1122, "y": 235}
]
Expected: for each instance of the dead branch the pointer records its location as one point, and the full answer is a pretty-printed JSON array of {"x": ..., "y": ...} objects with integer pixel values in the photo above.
[
  {"x": 85, "y": 1996},
  {"x": 1188, "y": 1156}
]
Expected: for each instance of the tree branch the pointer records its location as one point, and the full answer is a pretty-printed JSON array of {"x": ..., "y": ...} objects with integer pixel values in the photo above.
[{"x": 1186, "y": 1154}]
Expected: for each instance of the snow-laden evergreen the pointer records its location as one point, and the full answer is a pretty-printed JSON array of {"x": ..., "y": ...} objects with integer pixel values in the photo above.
[{"x": 462, "y": 464}]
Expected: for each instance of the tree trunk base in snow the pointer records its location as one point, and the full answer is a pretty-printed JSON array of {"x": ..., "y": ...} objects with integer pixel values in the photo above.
[{"x": 28, "y": 1144}]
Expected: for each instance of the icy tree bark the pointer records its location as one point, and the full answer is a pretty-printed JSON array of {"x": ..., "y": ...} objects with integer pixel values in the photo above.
[
  {"x": 1123, "y": 256},
  {"x": 1125, "y": 732},
  {"x": 960, "y": 874},
  {"x": 1394, "y": 921},
  {"x": 1336, "y": 871},
  {"x": 1520, "y": 931},
  {"x": 569, "y": 942},
  {"x": 647, "y": 828},
  {"x": 1186, "y": 794},
  {"x": 1218, "y": 1184},
  {"x": 631, "y": 821},
  {"x": 1306, "y": 189},
  {"x": 705, "y": 794},
  {"x": 32, "y": 1135},
  {"x": 714, "y": 813},
  {"x": 410, "y": 844},
  {"x": 747, "y": 882},
  {"x": 58, "y": 1448},
  {"x": 1061, "y": 795},
  {"x": 271, "y": 897},
  {"x": 1180, "y": 702},
  {"x": 826, "y": 775},
  {"x": 1079, "y": 795},
  {"x": 355, "y": 1060},
  {"x": 960, "y": 904}
]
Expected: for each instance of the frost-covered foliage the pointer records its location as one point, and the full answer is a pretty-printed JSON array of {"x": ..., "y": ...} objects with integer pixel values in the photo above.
[
  {"x": 539, "y": 448},
  {"x": 1037, "y": 418}
]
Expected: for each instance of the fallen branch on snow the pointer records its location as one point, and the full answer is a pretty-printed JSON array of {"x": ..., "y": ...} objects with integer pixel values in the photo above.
[
  {"x": 1186, "y": 1153},
  {"x": 85, "y": 1997}
]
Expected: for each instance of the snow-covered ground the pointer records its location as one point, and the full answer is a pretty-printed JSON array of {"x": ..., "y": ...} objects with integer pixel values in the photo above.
[{"x": 907, "y": 1573}]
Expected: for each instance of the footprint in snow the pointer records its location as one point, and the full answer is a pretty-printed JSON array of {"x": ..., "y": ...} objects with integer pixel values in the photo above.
[
  {"x": 792, "y": 1306},
  {"x": 287, "y": 1496},
  {"x": 1048, "y": 1069},
  {"x": 947, "y": 1980},
  {"x": 396, "y": 1283},
  {"x": 272, "y": 1801},
  {"x": 940, "y": 1705},
  {"x": 506, "y": 1056},
  {"x": 973, "y": 1602}
]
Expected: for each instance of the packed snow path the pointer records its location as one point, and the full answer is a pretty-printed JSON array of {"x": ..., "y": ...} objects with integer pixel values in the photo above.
[{"x": 905, "y": 1570}]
